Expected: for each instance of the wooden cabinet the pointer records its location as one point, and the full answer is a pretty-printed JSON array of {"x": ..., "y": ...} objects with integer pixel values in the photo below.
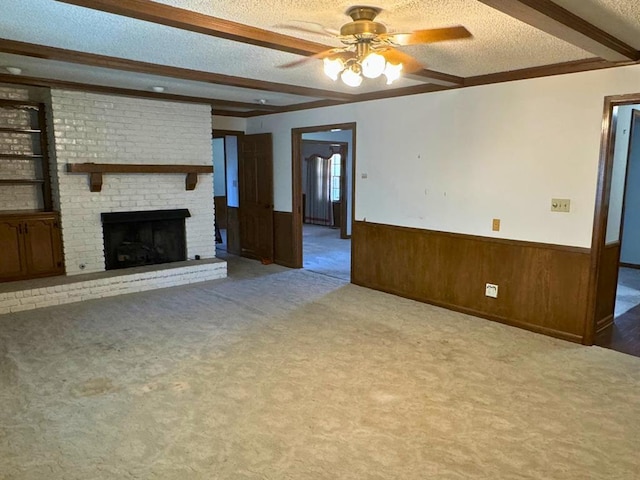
[{"x": 30, "y": 246}]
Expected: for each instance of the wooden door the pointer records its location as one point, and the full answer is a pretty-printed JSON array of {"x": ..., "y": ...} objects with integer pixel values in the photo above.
[
  {"x": 255, "y": 171},
  {"x": 13, "y": 263},
  {"x": 43, "y": 247}
]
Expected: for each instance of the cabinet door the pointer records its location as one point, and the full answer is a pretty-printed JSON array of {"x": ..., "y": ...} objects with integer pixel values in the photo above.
[
  {"x": 43, "y": 247},
  {"x": 13, "y": 263}
]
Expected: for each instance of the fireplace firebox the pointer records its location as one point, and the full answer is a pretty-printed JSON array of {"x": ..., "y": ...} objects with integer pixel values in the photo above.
[{"x": 144, "y": 238}]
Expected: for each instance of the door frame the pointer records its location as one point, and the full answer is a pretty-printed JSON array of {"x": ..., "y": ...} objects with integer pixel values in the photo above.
[
  {"x": 601, "y": 213},
  {"x": 296, "y": 181},
  {"x": 218, "y": 133}
]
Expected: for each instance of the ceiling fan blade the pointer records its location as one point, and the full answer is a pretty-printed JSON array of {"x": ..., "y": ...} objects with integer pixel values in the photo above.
[
  {"x": 309, "y": 27},
  {"x": 427, "y": 36},
  {"x": 332, "y": 52},
  {"x": 409, "y": 64}
]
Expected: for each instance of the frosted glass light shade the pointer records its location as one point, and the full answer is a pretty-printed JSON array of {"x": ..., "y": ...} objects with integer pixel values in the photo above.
[
  {"x": 332, "y": 68},
  {"x": 392, "y": 72},
  {"x": 373, "y": 65},
  {"x": 351, "y": 78}
]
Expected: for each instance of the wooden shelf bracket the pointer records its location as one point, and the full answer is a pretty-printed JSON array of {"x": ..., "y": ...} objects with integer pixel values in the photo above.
[{"x": 96, "y": 170}]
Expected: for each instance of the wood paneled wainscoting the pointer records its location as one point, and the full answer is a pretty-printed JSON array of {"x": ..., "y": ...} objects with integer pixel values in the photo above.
[
  {"x": 283, "y": 245},
  {"x": 542, "y": 287},
  {"x": 607, "y": 285}
]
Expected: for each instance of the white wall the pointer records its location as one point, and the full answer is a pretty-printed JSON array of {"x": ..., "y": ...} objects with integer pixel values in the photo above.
[
  {"x": 630, "y": 251},
  {"x": 231, "y": 149},
  {"x": 219, "y": 188},
  {"x": 111, "y": 129},
  {"x": 621, "y": 149},
  {"x": 454, "y": 160},
  {"x": 229, "y": 123}
]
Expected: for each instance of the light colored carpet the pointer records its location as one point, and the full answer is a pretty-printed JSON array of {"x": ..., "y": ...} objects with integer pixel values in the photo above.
[
  {"x": 284, "y": 374},
  {"x": 323, "y": 251}
]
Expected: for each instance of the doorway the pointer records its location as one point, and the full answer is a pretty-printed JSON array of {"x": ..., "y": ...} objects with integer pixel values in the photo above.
[
  {"x": 621, "y": 253},
  {"x": 226, "y": 190},
  {"x": 323, "y": 167}
]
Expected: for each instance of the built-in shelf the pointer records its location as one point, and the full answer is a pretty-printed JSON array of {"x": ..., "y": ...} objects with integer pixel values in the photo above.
[
  {"x": 20, "y": 155},
  {"x": 27, "y": 122},
  {"x": 96, "y": 170},
  {"x": 19, "y": 130},
  {"x": 20, "y": 181}
]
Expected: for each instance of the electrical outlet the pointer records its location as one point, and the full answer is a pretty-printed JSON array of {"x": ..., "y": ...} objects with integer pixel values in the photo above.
[
  {"x": 560, "y": 205},
  {"x": 495, "y": 225},
  {"x": 491, "y": 290}
]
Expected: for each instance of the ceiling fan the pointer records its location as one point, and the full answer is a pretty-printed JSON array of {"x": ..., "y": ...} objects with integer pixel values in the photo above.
[{"x": 369, "y": 49}]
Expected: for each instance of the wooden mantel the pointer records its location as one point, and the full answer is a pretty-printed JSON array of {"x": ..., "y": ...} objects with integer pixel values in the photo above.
[{"x": 95, "y": 171}]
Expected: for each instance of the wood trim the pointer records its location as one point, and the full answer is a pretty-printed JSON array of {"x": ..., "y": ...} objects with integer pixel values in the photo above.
[
  {"x": 296, "y": 182},
  {"x": 96, "y": 171},
  {"x": 103, "y": 61},
  {"x": 549, "y": 17},
  {"x": 283, "y": 239},
  {"x": 604, "y": 323},
  {"x": 200, "y": 23},
  {"x": 629, "y": 265},
  {"x": 542, "y": 287},
  {"x": 221, "y": 28},
  {"x": 217, "y": 133},
  {"x": 542, "y": 71},
  {"x": 128, "y": 92},
  {"x": 607, "y": 285},
  {"x": 601, "y": 211}
]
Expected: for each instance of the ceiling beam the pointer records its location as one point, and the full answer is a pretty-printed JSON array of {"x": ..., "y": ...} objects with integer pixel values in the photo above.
[
  {"x": 201, "y": 23},
  {"x": 62, "y": 55},
  {"x": 130, "y": 92},
  {"x": 217, "y": 27},
  {"x": 561, "y": 23}
]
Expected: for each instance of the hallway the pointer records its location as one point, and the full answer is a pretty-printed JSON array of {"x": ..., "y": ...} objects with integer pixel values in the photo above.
[
  {"x": 624, "y": 335},
  {"x": 325, "y": 252}
]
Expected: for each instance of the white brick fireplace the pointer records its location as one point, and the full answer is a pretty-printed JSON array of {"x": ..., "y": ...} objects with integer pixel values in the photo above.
[
  {"x": 120, "y": 130},
  {"x": 107, "y": 129}
]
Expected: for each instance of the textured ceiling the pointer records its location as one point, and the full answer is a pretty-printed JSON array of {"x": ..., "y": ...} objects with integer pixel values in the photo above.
[{"x": 500, "y": 43}]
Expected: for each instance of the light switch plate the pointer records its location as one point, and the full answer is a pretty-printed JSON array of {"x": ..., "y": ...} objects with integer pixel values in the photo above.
[{"x": 560, "y": 205}]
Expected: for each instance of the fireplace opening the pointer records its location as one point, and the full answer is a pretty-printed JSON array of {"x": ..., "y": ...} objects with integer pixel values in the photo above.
[{"x": 152, "y": 237}]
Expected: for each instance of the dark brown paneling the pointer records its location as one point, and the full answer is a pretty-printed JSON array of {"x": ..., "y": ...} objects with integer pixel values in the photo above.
[
  {"x": 220, "y": 204},
  {"x": 284, "y": 253},
  {"x": 607, "y": 285},
  {"x": 542, "y": 287},
  {"x": 233, "y": 230}
]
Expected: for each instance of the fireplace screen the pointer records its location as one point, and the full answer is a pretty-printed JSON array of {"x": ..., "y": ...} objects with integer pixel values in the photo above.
[{"x": 144, "y": 238}]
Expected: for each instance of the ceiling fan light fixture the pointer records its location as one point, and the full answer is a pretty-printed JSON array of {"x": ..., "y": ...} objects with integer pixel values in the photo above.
[
  {"x": 373, "y": 65},
  {"x": 392, "y": 72},
  {"x": 351, "y": 77},
  {"x": 333, "y": 68}
]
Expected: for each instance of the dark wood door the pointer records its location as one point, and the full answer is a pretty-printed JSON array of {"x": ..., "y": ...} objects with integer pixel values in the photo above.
[
  {"x": 255, "y": 172},
  {"x": 43, "y": 247},
  {"x": 13, "y": 263}
]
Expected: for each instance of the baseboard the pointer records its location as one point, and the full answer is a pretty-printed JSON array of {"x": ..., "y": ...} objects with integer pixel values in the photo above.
[
  {"x": 629, "y": 265},
  {"x": 604, "y": 323}
]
